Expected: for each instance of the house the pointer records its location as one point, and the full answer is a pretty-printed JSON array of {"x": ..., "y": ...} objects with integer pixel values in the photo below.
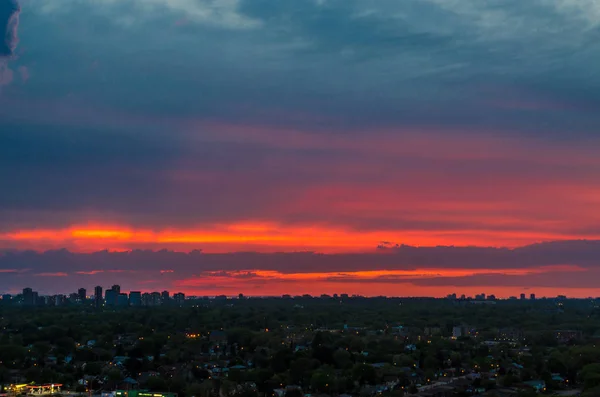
[
  {"x": 537, "y": 385},
  {"x": 119, "y": 360}
]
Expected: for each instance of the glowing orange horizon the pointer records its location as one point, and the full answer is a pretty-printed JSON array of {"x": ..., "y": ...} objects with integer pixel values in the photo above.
[
  {"x": 265, "y": 237},
  {"x": 369, "y": 275}
]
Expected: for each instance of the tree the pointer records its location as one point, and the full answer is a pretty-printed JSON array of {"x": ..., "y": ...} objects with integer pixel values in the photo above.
[
  {"x": 342, "y": 359},
  {"x": 156, "y": 383},
  {"x": 364, "y": 374},
  {"x": 300, "y": 370},
  {"x": 322, "y": 381}
]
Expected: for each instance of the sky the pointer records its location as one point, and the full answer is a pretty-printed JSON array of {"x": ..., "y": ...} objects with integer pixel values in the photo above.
[{"x": 301, "y": 146}]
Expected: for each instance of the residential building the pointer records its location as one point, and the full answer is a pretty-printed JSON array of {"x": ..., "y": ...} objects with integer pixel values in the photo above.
[
  {"x": 110, "y": 297},
  {"x": 28, "y": 297},
  {"x": 179, "y": 298},
  {"x": 122, "y": 300},
  {"x": 165, "y": 298},
  {"x": 135, "y": 298},
  {"x": 154, "y": 299}
]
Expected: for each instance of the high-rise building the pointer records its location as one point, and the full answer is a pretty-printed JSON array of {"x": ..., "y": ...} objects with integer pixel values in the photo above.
[
  {"x": 146, "y": 299},
  {"x": 165, "y": 297},
  {"x": 179, "y": 298},
  {"x": 116, "y": 288},
  {"x": 135, "y": 298},
  {"x": 28, "y": 298},
  {"x": 122, "y": 300},
  {"x": 98, "y": 296},
  {"x": 154, "y": 299},
  {"x": 532, "y": 297},
  {"x": 6, "y": 298},
  {"x": 110, "y": 297},
  {"x": 60, "y": 300},
  {"x": 81, "y": 292},
  {"x": 522, "y": 297}
]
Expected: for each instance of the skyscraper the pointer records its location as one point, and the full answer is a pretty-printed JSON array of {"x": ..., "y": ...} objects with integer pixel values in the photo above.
[
  {"x": 110, "y": 297},
  {"x": 165, "y": 297},
  {"x": 116, "y": 288},
  {"x": 98, "y": 296},
  {"x": 522, "y": 297},
  {"x": 532, "y": 297},
  {"x": 28, "y": 297},
  {"x": 82, "y": 294}
]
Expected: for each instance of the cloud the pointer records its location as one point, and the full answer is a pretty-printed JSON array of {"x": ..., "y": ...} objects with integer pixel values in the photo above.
[
  {"x": 214, "y": 13},
  {"x": 48, "y": 274},
  {"x": 90, "y": 272},
  {"x": 9, "y": 23},
  {"x": 558, "y": 265},
  {"x": 327, "y": 126}
]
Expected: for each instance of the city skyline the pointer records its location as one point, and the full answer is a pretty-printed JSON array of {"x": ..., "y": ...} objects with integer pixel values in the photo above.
[
  {"x": 102, "y": 297},
  {"x": 313, "y": 146}
]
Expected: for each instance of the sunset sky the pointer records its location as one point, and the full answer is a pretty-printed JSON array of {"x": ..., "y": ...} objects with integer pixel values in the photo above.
[{"x": 301, "y": 146}]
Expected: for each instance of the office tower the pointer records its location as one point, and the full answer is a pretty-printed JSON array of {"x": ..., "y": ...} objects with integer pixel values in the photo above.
[
  {"x": 98, "y": 296},
  {"x": 165, "y": 297},
  {"x": 522, "y": 297},
  {"x": 154, "y": 299},
  {"x": 116, "y": 288},
  {"x": 6, "y": 298},
  {"x": 135, "y": 298},
  {"x": 81, "y": 292},
  {"x": 532, "y": 297},
  {"x": 110, "y": 297},
  {"x": 122, "y": 300},
  {"x": 28, "y": 297},
  {"x": 179, "y": 298}
]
